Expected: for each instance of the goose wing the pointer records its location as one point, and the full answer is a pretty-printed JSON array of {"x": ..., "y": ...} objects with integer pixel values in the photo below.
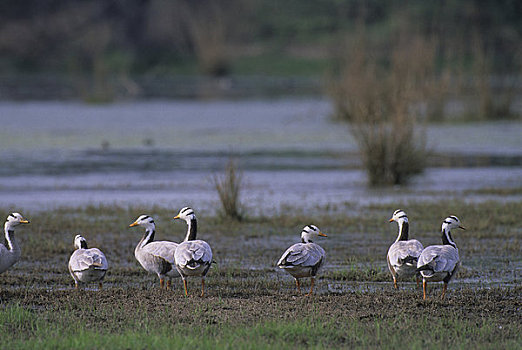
[
  {"x": 164, "y": 250},
  {"x": 192, "y": 254},
  {"x": 402, "y": 252},
  {"x": 439, "y": 258},
  {"x": 302, "y": 254},
  {"x": 84, "y": 259}
]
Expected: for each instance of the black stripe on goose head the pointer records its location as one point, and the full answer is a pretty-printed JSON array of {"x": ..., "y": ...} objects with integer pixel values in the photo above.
[{"x": 187, "y": 211}]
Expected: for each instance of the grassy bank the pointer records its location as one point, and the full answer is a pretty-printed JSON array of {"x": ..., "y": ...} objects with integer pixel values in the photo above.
[{"x": 249, "y": 303}]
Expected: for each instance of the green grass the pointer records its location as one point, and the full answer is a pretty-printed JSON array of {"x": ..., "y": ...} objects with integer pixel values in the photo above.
[{"x": 311, "y": 332}]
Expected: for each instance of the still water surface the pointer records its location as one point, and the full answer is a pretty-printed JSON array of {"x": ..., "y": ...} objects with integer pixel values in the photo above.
[{"x": 165, "y": 152}]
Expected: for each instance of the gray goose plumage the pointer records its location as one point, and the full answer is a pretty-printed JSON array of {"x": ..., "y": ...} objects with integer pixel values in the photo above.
[
  {"x": 440, "y": 262},
  {"x": 11, "y": 254},
  {"x": 155, "y": 256},
  {"x": 87, "y": 264},
  {"x": 193, "y": 256},
  {"x": 403, "y": 253},
  {"x": 304, "y": 259}
]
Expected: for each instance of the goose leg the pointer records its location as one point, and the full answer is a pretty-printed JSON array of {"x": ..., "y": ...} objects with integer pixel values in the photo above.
[
  {"x": 162, "y": 283},
  {"x": 298, "y": 285},
  {"x": 100, "y": 286},
  {"x": 202, "y": 287},
  {"x": 76, "y": 285},
  {"x": 185, "y": 286},
  {"x": 311, "y": 287},
  {"x": 395, "y": 282},
  {"x": 169, "y": 284},
  {"x": 444, "y": 288},
  {"x": 424, "y": 286}
]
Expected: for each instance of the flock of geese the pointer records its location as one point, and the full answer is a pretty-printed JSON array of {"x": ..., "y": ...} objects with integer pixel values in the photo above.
[{"x": 192, "y": 257}]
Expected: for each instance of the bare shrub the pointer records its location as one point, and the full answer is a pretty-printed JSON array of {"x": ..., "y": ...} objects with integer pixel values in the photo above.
[
  {"x": 228, "y": 187},
  {"x": 495, "y": 101},
  {"x": 380, "y": 97},
  {"x": 206, "y": 24}
]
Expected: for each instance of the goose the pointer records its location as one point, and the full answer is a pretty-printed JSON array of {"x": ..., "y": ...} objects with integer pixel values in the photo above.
[
  {"x": 403, "y": 253},
  {"x": 193, "y": 256},
  {"x": 440, "y": 262},
  {"x": 11, "y": 254},
  {"x": 155, "y": 256},
  {"x": 304, "y": 259},
  {"x": 87, "y": 264}
]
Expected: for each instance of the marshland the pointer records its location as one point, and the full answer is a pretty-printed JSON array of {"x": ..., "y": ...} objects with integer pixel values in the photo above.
[{"x": 263, "y": 117}]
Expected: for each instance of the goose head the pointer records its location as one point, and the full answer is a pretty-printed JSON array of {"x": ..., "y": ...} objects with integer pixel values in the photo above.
[
  {"x": 80, "y": 242},
  {"x": 15, "y": 219},
  {"x": 186, "y": 214},
  {"x": 399, "y": 215},
  {"x": 310, "y": 232},
  {"x": 451, "y": 222},
  {"x": 144, "y": 221}
]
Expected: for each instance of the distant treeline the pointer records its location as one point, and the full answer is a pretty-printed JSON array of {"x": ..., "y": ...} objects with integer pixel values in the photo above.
[{"x": 220, "y": 37}]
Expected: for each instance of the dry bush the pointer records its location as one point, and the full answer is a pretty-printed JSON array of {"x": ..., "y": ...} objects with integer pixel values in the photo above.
[
  {"x": 494, "y": 102},
  {"x": 228, "y": 187},
  {"x": 380, "y": 97},
  {"x": 206, "y": 24}
]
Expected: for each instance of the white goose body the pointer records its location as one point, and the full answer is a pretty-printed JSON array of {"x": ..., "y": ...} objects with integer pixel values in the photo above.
[
  {"x": 440, "y": 262},
  {"x": 304, "y": 259},
  {"x": 155, "y": 256},
  {"x": 87, "y": 264},
  {"x": 193, "y": 257},
  {"x": 10, "y": 254},
  {"x": 404, "y": 253}
]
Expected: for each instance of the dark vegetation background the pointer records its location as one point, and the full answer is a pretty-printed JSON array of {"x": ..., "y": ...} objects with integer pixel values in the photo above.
[{"x": 106, "y": 49}]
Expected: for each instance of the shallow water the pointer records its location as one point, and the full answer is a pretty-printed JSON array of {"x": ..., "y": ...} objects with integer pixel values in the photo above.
[{"x": 143, "y": 153}]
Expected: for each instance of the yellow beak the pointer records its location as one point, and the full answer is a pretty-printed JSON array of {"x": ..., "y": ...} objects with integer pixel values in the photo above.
[
  {"x": 133, "y": 224},
  {"x": 24, "y": 221},
  {"x": 322, "y": 234},
  {"x": 391, "y": 220},
  {"x": 176, "y": 217}
]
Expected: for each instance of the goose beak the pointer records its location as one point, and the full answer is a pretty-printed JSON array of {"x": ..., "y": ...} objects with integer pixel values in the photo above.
[
  {"x": 24, "y": 221},
  {"x": 133, "y": 224},
  {"x": 176, "y": 217},
  {"x": 391, "y": 220},
  {"x": 322, "y": 234},
  {"x": 462, "y": 228}
]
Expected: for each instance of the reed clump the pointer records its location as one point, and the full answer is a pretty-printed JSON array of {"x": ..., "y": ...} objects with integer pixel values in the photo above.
[
  {"x": 228, "y": 186},
  {"x": 381, "y": 97}
]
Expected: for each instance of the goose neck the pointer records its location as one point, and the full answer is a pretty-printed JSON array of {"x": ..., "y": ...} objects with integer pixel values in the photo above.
[
  {"x": 404, "y": 228},
  {"x": 10, "y": 239},
  {"x": 147, "y": 237},
  {"x": 446, "y": 237},
  {"x": 306, "y": 238},
  {"x": 192, "y": 229}
]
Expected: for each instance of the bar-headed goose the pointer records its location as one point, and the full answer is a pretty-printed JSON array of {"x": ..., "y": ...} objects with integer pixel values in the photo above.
[
  {"x": 304, "y": 259},
  {"x": 403, "y": 253},
  {"x": 11, "y": 254},
  {"x": 193, "y": 256},
  {"x": 155, "y": 256},
  {"x": 87, "y": 264},
  {"x": 440, "y": 262}
]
